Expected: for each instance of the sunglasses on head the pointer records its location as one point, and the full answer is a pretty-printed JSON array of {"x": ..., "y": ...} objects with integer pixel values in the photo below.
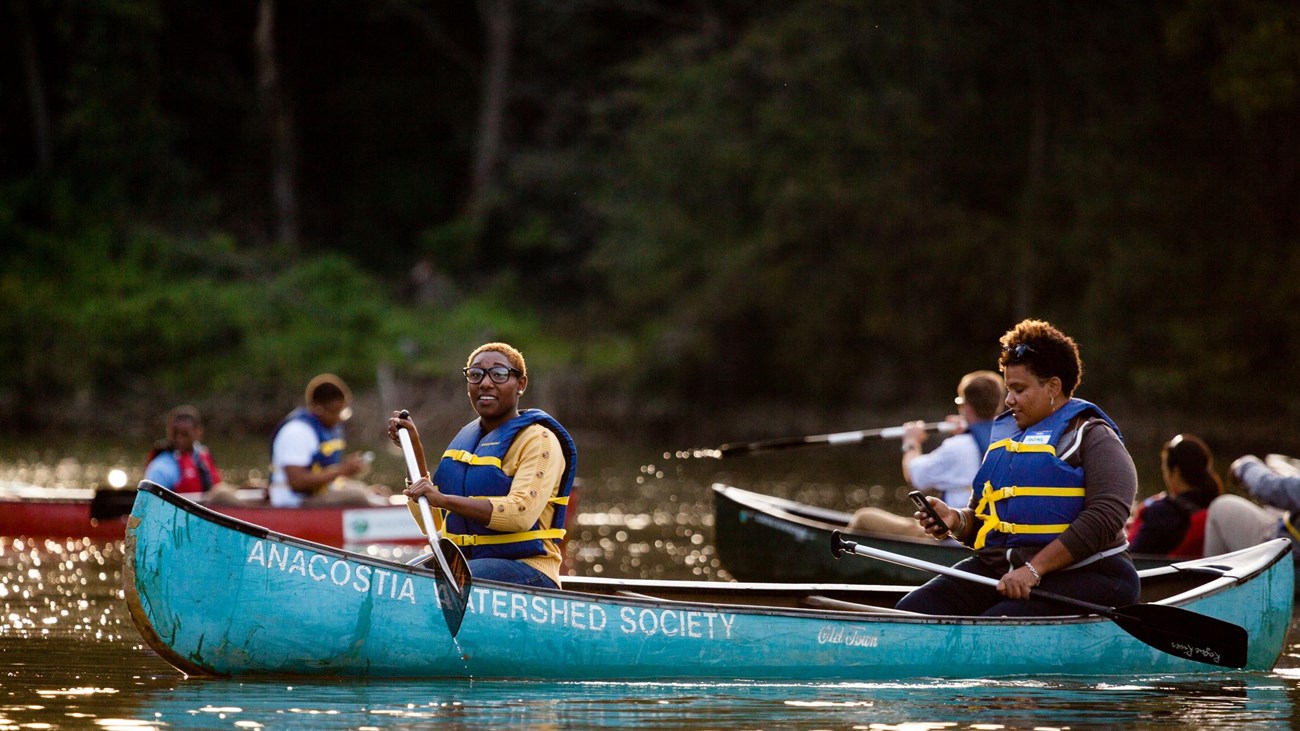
[{"x": 1018, "y": 352}]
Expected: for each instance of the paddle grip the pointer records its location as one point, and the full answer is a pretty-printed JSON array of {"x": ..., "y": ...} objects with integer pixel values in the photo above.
[
  {"x": 408, "y": 451},
  {"x": 839, "y": 545}
]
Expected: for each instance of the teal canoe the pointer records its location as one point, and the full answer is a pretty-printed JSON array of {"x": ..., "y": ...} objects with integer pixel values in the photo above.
[{"x": 216, "y": 596}]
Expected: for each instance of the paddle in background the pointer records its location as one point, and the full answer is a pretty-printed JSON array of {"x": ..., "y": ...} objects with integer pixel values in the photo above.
[
  {"x": 830, "y": 440},
  {"x": 1174, "y": 630},
  {"x": 453, "y": 575}
]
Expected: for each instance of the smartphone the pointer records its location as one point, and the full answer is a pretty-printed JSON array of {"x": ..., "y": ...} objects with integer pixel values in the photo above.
[{"x": 924, "y": 506}]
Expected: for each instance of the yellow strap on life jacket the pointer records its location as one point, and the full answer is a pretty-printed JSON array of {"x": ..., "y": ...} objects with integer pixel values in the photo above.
[
  {"x": 333, "y": 445},
  {"x": 1286, "y": 521},
  {"x": 471, "y": 539},
  {"x": 470, "y": 458},
  {"x": 990, "y": 497},
  {"x": 560, "y": 500}
]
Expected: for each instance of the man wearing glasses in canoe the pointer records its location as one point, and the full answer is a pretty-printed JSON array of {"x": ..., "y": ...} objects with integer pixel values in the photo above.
[{"x": 949, "y": 469}]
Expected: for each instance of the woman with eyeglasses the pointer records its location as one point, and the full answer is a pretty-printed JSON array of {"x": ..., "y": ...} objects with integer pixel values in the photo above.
[
  {"x": 502, "y": 486},
  {"x": 1173, "y": 522},
  {"x": 1050, "y": 500}
]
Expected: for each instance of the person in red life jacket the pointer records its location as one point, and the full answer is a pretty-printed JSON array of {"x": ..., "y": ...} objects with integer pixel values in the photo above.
[
  {"x": 1054, "y": 491},
  {"x": 309, "y": 465},
  {"x": 184, "y": 465},
  {"x": 1173, "y": 522},
  {"x": 502, "y": 486}
]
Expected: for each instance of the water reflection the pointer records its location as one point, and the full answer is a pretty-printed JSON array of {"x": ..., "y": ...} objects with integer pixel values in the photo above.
[
  {"x": 70, "y": 658},
  {"x": 1228, "y": 702}
]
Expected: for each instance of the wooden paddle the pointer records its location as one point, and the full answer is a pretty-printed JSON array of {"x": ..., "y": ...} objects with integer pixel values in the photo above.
[
  {"x": 1174, "y": 630},
  {"x": 830, "y": 440},
  {"x": 454, "y": 577}
]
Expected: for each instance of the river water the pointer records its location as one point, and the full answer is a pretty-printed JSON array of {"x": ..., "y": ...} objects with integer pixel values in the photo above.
[{"x": 70, "y": 657}]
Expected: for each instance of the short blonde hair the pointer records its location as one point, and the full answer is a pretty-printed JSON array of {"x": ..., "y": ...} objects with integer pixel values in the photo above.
[{"x": 511, "y": 353}]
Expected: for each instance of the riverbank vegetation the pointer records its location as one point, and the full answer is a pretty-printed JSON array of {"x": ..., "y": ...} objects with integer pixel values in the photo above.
[{"x": 682, "y": 211}]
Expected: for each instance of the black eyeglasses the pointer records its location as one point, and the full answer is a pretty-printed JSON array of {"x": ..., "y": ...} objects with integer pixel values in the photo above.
[
  {"x": 499, "y": 374},
  {"x": 1018, "y": 352}
]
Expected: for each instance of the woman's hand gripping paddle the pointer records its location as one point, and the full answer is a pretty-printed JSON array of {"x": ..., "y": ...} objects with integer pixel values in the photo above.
[
  {"x": 453, "y": 575},
  {"x": 1174, "y": 630}
]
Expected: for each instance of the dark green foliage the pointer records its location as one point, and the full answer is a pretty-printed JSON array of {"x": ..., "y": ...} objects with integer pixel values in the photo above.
[{"x": 699, "y": 205}]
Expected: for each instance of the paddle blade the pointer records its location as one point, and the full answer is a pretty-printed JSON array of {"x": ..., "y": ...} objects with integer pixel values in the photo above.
[
  {"x": 453, "y": 591},
  {"x": 111, "y": 504},
  {"x": 1184, "y": 633}
]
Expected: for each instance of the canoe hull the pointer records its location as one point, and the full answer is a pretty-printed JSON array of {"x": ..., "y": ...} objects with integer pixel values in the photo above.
[
  {"x": 763, "y": 538},
  {"x": 216, "y": 597},
  {"x": 34, "y": 512}
]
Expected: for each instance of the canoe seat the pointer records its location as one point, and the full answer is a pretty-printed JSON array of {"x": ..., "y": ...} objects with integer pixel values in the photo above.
[{"x": 817, "y": 601}]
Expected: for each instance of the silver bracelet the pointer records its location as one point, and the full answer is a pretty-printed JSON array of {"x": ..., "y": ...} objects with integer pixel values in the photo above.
[
  {"x": 961, "y": 524},
  {"x": 1037, "y": 579}
]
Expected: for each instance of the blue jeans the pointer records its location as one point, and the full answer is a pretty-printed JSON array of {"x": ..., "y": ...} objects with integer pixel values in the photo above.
[
  {"x": 1112, "y": 582},
  {"x": 510, "y": 571}
]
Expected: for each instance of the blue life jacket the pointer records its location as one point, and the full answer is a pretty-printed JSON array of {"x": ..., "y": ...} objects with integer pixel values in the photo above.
[
  {"x": 1029, "y": 494},
  {"x": 330, "y": 449},
  {"x": 982, "y": 431},
  {"x": 471, "y": 467}
]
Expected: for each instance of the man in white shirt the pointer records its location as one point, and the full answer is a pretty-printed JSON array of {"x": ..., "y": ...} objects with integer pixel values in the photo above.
[
  {"x": 307, "y": 460},
  {"x": 949, "y": 470}
]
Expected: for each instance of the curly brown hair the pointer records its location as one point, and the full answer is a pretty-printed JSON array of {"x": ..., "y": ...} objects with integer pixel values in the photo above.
[{"x": 1045, "y": 351}]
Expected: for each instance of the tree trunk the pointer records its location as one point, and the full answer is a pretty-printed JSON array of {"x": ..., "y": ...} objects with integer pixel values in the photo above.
[
  {"x": 35, "y": 91},
  {"x": 1033, "y": 216},
  {"x": 278, "y": 121},
  {"x": 498, "y": 26}
]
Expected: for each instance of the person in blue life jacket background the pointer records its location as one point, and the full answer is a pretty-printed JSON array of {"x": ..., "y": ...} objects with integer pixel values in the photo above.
[
  {"x": 1051, "y": 497},
  {"x": 949, "y": 470},
  {"x": 501, "y": 488},
  {"x": 309, "y": 465}
]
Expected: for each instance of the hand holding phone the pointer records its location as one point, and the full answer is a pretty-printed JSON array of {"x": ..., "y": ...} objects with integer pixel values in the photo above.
[{"x": 923, "y": 505}]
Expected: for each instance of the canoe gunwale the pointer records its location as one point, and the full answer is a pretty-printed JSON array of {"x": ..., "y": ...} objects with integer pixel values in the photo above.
[{"x": 807, "y": 516}]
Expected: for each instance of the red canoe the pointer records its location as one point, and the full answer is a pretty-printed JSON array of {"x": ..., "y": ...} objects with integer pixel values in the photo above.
[{"x": 58, "y": 512}]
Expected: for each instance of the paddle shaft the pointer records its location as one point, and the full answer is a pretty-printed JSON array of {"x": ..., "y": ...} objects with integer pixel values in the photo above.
[
  {"x": 1172, "y": 630},
  {"x": 836, "y": 439},
  {"x": 917, "y": 563},
  {"x": 431, "y": 528}
]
